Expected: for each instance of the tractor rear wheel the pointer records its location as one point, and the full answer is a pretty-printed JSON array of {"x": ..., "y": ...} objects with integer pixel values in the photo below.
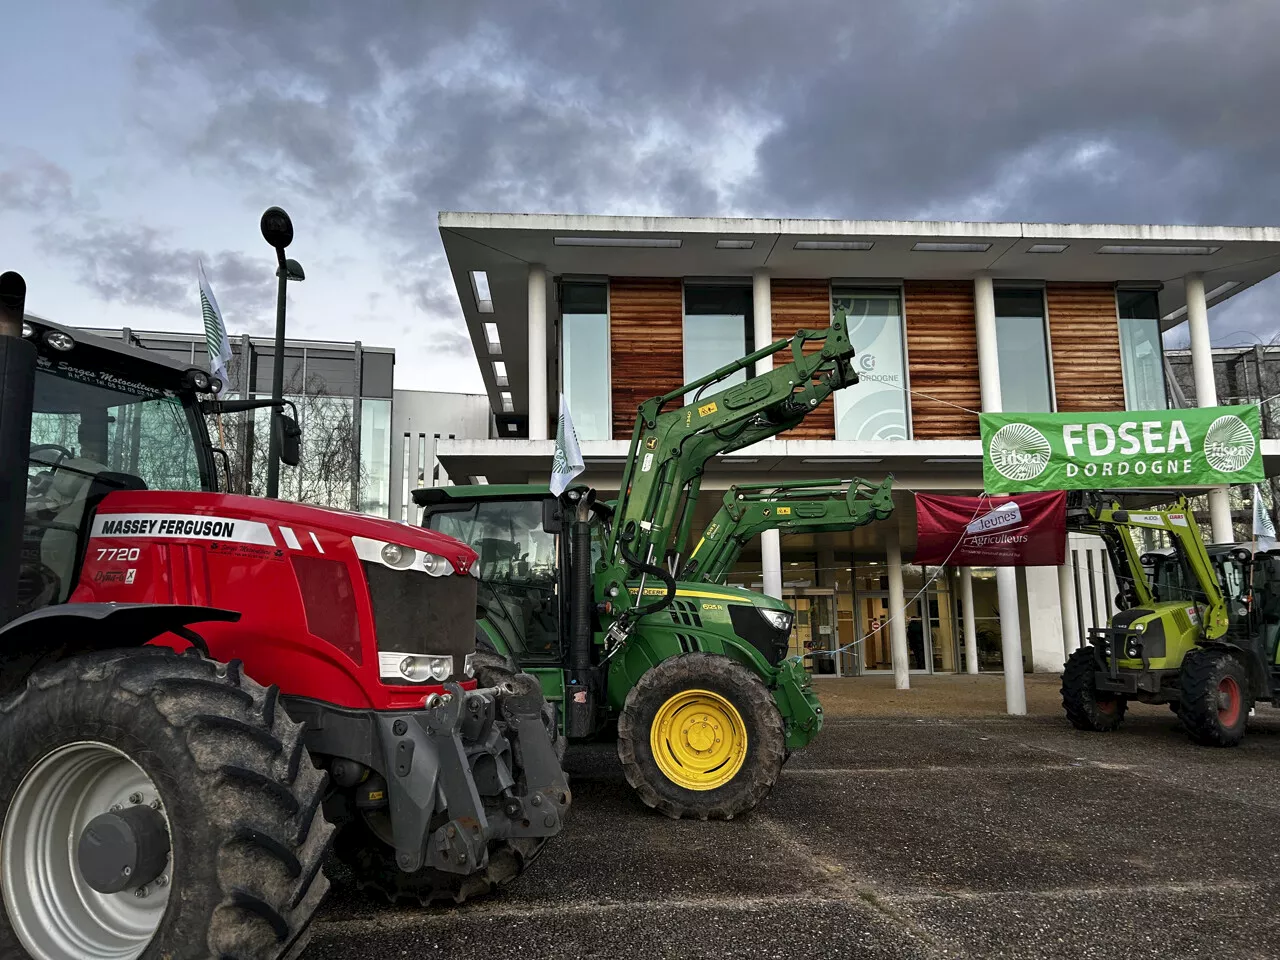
[
  {"x": 1215, "y": 697},
  {"x": 700, "y": 736},
  {"x": 192, "y": 808},
  {"x": 1087, "y": 707},
  {"x": 366, "y": 847}
]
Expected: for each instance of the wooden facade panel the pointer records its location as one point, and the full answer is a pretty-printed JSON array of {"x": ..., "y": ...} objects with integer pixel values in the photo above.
[
  {"x": 803, "y": 305},
  {"x": 646, "y": 344},
  {"x": 942, "y": 358},
  {"x": 1084, "y": 338}
]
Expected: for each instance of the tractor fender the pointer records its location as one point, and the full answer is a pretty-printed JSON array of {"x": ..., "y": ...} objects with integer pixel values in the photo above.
[{"x": 69, "y": 629}]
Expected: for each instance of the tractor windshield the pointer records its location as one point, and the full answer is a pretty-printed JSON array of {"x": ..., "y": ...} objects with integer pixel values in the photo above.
[
  {"x": 517, "y": 567},
  {"x": 92, "y": 432}
]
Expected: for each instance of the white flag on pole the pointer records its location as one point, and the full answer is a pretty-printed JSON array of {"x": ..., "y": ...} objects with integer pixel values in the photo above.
[
  {"x": 568, "y": 459},
  {"x": 215, "y": 332},
  {"x": 1264, "y": 531}
]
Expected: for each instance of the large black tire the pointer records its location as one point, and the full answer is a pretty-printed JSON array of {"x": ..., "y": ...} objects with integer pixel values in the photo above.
[
  {"x": 1215, "y": 697},
  {"x": 765, "y": 748},
  {"x": 234, "y": 780},
  {"x": 1086, "y": 707},
  {"x": 372, "y": 861}
]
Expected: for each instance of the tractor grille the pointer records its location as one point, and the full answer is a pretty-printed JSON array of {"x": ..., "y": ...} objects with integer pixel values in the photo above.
[{"x": 415, "y": 613}]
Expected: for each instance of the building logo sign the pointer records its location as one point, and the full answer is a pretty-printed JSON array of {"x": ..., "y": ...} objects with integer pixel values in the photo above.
[
  {"x": 1229, "y": 444},
  {"x": 1023, "y": 452},
  {"x": 1019, "y": 452}
]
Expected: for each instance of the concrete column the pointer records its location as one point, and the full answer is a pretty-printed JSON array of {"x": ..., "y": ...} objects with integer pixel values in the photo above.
[
  {"x": 1044, "y": 610},
  {"x": 538, "y": 427},
  {"x": 984, "y": 315},
  {"x": 1015, "y": 693},
  {"x": 762, "y": 316},
  {"x": 1067, "y": 598},
  {"x": 771, "y": 562},
  {"x": 970, "y": 621},
  {"x": 897, "y": 612},
  {"x": 1206, "y": 393}
]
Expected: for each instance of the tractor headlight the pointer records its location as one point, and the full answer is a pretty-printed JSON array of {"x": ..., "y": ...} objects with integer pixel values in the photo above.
[
  {"x": 397, "y": 556},
  {"x": 1133, "y": 649},
  {"x": 1138, "y": 627},
  {"x": 414, "y": 667},
  {"x": 780, "y": 620},
  {"x": 436, "y": 566},
  {"x": 394, "y": 555}
]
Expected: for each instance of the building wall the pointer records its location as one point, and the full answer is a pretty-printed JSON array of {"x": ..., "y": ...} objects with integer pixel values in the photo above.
[
  {"x": 942, "y": 359},
  {"x": 419, "y": 418},
  {"x": 803, "y": 305},
  {"x": 1084, "y": 338},
  {"x": 646, "y": 342}
]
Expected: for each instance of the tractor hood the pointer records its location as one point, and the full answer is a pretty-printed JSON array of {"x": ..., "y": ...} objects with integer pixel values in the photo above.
[{"x": 269, "y": 523}]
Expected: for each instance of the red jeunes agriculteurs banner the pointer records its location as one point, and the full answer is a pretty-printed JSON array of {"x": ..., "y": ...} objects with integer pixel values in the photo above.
[{"x": 1026, "y": 530}]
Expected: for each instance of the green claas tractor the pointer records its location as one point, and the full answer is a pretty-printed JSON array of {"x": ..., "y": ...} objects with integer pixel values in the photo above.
[
  {"x": 1196, "y": 626},
  {"x": 796, "y": 506},
  {"x": 578, "y": 592}
]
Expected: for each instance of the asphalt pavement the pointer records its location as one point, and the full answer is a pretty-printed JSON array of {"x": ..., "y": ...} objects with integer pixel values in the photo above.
[{"x": 911, "y": 837}]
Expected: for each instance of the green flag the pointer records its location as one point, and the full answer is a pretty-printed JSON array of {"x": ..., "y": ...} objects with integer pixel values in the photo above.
[{"x": 1205, "y": 446}]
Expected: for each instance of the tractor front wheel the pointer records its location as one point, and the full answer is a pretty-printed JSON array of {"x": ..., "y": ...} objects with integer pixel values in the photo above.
[
  {"x": 155, "y": 805},
  {"x": 1215, "y": 697},
  {"x": 700, "y": 737},
  {"x": 1087, "y": 707}
]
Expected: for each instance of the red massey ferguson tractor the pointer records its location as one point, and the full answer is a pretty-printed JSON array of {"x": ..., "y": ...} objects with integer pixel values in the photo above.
[{"x": 198, "y": 689}]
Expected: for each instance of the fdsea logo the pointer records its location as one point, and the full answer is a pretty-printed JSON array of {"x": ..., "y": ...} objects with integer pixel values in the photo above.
[
  {"x": 1019, "y": 451},
  {"x": 1228, "y": 444}
]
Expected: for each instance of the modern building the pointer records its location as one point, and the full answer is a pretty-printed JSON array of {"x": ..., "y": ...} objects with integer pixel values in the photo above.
[
  {"x": 420, "y": 419},
  {"x": 948, "y": 318},
  {"x": 343, "y": 394}
]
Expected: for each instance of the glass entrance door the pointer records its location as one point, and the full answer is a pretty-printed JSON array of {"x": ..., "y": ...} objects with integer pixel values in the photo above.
[
  {"x": 872, "y": 623},
  {"x": 813, "y": 632}
]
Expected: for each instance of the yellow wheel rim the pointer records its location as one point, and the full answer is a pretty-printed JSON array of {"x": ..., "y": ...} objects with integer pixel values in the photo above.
[{"x": 699, "y": 740}]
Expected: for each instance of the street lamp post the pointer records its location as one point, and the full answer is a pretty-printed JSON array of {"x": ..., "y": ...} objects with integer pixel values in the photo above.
[{"x": 277, "y": 230}]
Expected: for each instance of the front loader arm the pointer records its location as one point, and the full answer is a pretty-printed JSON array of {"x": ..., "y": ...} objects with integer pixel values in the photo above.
[
  {"x": 670, "y": 447},
  {"x": 800, "y": 506},
  {"x": 1115, "y": 525}
]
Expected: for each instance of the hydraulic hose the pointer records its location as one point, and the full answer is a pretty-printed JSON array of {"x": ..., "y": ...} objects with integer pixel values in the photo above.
[{"x": 668, "y": 580}]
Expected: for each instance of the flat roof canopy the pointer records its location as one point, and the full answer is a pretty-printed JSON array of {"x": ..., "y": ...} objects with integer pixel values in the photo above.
[{"x": 502, "y": 245}]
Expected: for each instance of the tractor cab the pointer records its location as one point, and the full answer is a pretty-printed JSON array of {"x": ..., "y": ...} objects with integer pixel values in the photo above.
[
  {"x": 106, "y": 417},
  {"x": 515, "y": 531}
]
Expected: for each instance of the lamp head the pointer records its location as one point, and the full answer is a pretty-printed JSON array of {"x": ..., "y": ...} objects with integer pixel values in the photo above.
[{"x": 277, "y": 228}]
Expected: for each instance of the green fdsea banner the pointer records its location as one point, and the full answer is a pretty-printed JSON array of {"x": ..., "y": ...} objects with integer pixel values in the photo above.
[{"x": 1024, "y": 452}]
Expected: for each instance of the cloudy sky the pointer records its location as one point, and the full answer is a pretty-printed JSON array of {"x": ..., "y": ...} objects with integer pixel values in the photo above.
[{"x": 137, "y": 136}]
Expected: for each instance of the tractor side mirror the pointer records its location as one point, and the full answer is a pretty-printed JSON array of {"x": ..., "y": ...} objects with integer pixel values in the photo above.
[
  {"x": 552, "y": 516},
  {"x": 290, "y": 436}
]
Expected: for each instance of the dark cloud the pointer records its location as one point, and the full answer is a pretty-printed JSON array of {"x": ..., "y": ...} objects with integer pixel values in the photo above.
[
  {"x": 138, "y": 266},
  {"x": 382, "y": 113}
]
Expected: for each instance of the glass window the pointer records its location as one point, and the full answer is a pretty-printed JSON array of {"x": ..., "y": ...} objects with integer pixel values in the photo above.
[
  {"x": 584, "y": 334},
  {"x": 91, "y": 429},
  {"x": 1022, "y": 351},
  {"x": 717, "y": 331},
  {"x": 876, "y": 409},
  {"x": 516, "y": 569},
  {"x": 1141, "y": 350},
  {"x": 379, "y": 372},
  {"x": 375, "y": 457}
]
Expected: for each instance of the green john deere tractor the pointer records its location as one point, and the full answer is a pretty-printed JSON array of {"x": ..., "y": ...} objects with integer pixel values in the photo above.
[
  {"x": 1196, "y": 626},
  {"x": 578, "y": 592}
]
